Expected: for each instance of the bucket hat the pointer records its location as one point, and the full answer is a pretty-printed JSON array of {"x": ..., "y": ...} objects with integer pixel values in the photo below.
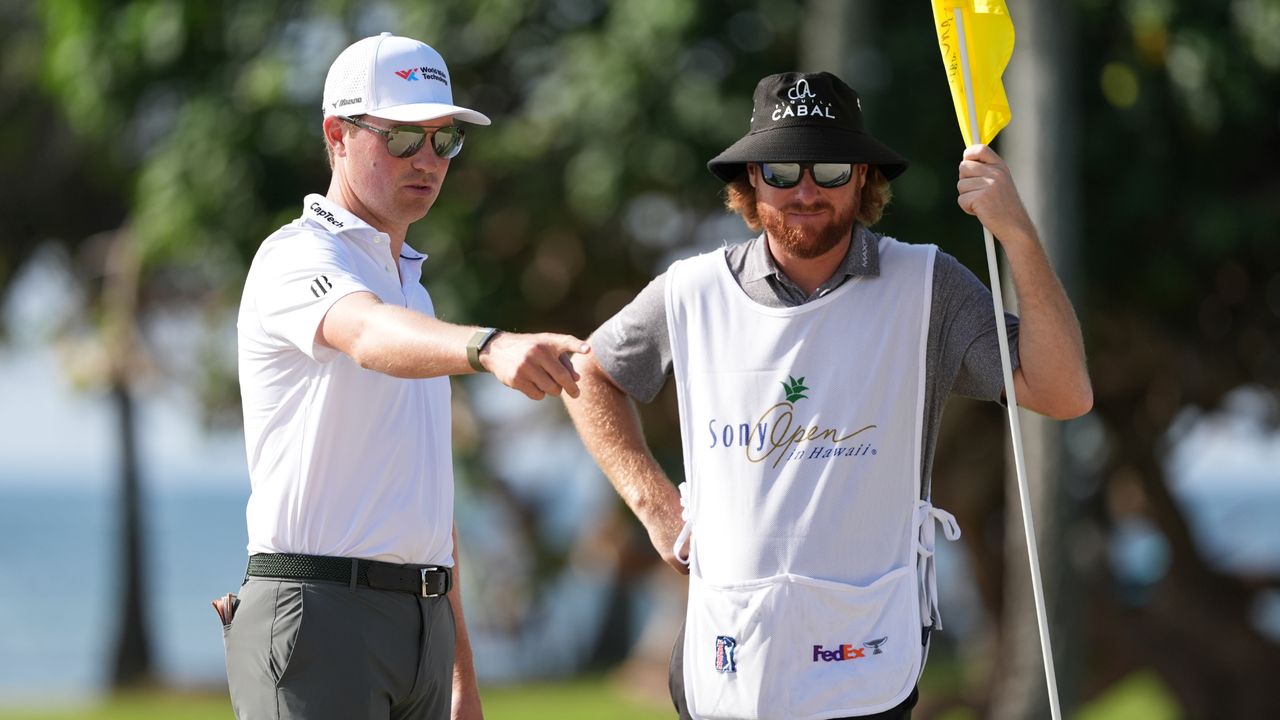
[{"x": 806, "y": 118}]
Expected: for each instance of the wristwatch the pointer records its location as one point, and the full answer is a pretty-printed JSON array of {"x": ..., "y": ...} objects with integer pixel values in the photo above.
[{"x": 476, "y": 344}]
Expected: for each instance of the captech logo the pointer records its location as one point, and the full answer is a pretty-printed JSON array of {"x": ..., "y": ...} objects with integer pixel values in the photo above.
[
  {"x": 428, "y": 73},
  {"x": 325, "y": 215}
]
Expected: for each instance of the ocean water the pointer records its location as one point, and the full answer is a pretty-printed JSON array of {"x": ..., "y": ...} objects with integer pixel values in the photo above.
[{"x": 59, "y": 613}]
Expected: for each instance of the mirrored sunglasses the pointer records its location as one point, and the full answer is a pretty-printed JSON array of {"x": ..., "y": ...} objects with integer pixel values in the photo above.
[
  {"x": 406, "y": 140},
  {"x": 786, "y": 175}
]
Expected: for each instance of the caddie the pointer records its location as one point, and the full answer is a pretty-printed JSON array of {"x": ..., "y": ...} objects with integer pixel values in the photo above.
[{"x": 811, "y": 364}]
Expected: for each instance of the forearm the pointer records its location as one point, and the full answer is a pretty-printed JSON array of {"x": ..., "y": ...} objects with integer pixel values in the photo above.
[
  {"x": 1054, "y": 377},
  {"x": 610, "y": 428},
  {"x": 466, "y": 692},
  {"x": 402, "y": 343}
]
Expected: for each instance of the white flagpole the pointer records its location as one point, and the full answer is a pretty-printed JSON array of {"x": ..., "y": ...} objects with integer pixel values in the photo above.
[{"x": 1028, "y": 525}]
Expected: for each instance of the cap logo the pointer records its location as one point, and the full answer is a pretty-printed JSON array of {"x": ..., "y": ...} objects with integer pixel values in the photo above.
[
  {"x": 801, "y": 91},
  {"x": 804, "y": 103},
  {"x": 428, "y": 73}
]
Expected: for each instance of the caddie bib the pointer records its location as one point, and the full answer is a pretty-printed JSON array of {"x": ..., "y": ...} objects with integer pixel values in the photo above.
[{"x": 810, "y": 561}]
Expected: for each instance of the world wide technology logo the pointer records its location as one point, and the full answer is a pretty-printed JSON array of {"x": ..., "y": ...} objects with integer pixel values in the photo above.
[{"x": 776, "y": 435}]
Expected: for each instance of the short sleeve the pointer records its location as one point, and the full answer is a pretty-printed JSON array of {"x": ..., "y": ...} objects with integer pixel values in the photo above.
[
  {"x": 295, "y": 279},
  {"x": 633, "y": 346},
  {"x": 968, "y": 343}
]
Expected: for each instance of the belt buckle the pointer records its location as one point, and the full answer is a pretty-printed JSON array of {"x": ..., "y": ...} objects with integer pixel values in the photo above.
[{"x": 425, "y": 593}]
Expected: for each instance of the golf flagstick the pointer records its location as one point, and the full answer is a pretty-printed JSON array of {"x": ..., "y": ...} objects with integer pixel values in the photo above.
[{"x": 1028, "y": 525}]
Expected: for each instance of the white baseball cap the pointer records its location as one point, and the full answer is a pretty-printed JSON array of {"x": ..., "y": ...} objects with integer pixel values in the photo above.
[{"x": 392, "y": 77}]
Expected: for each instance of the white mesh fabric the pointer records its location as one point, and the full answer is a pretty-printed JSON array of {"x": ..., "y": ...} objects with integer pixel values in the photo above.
[{"x": 346, "y": 87}]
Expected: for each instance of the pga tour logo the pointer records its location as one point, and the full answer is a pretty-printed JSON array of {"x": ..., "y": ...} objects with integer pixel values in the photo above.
[{"x": 726, "y": 654}]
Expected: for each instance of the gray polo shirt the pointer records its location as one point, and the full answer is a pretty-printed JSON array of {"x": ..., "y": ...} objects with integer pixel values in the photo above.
[{"x": 962, "y": 355}]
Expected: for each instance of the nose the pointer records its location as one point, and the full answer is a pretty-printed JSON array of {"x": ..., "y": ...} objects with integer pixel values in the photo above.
[
  {"x": 426, "y": 159},
  {"x": 806, "y": 188}
]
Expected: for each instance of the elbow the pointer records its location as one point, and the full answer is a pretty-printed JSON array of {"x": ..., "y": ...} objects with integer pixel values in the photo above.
[
  {"x": 1074, "y": 404},
  {"x": 1080, "y": 405},
  {"x": 369, "y": 356}
]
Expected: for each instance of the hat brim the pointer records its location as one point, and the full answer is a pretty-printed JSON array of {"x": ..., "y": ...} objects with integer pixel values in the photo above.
[
  {"x": 806, "y": 144},
  {"x": 421, "y": 112}
]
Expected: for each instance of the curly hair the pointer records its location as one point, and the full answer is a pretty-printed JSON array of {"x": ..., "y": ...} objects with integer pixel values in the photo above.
[{"x": 740, "y": 197}]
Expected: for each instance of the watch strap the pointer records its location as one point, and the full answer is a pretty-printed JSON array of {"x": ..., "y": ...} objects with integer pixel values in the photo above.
[{"x": 476, "y": 344}]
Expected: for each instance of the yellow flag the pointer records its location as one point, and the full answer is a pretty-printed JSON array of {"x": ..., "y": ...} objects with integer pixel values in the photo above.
[{"x": 987, "y": 33}]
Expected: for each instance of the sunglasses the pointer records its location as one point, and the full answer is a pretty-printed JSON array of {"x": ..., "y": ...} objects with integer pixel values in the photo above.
[
  {"x": 786, "y": 175},
  {"x": 406, "y": 140}
]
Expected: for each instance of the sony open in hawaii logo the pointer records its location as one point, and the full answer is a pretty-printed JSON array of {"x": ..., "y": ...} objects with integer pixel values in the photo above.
[{"x": 775, "y": 435}]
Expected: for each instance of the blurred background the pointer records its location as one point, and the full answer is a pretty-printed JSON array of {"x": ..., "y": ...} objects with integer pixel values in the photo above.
[{"x": 149, "y": 146}]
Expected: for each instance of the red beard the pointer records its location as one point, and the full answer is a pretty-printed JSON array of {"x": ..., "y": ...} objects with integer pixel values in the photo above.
[{"x": 801, "y": 241}]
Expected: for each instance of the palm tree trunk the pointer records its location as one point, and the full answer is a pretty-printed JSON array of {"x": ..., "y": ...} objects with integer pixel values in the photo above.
[
  {"x": 121, "y": 277},
  {"x": 132, "y": 665}
]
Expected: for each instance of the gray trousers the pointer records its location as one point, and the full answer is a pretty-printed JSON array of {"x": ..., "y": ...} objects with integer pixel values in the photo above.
[{"x": 317, "y": 650}]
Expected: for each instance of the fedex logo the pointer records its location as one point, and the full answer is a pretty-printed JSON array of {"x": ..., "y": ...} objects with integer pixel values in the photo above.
[
  {"x": 848, "y": 652},
  {"x": 839, "y": 654}
]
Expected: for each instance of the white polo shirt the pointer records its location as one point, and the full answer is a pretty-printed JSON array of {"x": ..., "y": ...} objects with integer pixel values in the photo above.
[{"x": 343, "y": 461}]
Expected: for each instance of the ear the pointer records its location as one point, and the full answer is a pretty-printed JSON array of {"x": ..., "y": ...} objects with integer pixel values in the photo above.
[
  {"x": 753, "y": 174},
  {"x": 335, "y": 134},
  {"x": 860, "y": 170}
]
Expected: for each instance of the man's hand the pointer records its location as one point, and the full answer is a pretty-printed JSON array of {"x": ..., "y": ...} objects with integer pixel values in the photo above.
[
  {"x": 536, "y": 365},
  {"x": 663, "y": 534},
  {"x": 986, "y": 190}
]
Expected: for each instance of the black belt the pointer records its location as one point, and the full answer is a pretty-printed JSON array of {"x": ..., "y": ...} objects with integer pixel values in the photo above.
[{"x": 420, "y": 580}]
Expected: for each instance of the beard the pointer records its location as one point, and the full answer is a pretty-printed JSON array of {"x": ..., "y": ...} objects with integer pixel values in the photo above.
[{"x": 802, "y": 241}]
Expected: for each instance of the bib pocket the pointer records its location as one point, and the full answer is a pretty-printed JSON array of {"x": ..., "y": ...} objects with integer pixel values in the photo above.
[
  {"x": 730, "y": 664},
  {"x": 857, "y": 649},
  {"x": 800, "y": 648}
]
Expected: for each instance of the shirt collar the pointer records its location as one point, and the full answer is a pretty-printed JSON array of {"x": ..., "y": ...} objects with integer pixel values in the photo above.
[
  {"x": 408, "y": 253},
  {"x": 863, "y": 258},
  {"x": 338, "y": 220}
]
